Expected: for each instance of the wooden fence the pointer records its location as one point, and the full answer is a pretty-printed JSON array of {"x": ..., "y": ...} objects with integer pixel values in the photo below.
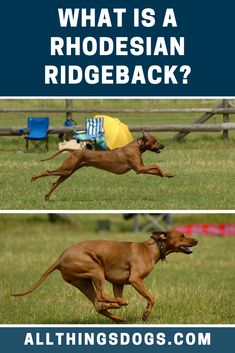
[{"x": 225, "y": 108}]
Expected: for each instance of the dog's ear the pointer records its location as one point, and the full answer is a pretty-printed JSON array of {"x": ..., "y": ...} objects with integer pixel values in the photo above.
[{"x": 159, "y": 235}]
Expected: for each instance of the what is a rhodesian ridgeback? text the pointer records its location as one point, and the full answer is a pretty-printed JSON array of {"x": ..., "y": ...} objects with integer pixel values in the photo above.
[
  {"x": 87, "y": 265},
  {"x": 117, "y": 161}
]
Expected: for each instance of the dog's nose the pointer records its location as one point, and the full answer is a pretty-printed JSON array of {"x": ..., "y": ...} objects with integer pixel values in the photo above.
[{"x": 162, "y": 146}]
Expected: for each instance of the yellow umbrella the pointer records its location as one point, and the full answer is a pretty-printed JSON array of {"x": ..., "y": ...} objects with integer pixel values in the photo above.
[{"x": 116, "y": 133}]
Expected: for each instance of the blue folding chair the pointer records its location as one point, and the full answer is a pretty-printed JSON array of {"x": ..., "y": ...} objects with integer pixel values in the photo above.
[{"x": 38, "y": 128}]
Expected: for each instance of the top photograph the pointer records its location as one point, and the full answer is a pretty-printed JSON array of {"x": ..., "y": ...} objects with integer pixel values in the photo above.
[{"x": 117, "y": 154}]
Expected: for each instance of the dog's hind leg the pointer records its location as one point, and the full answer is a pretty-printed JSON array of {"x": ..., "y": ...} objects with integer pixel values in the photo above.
[
  {"x": 87, "y": 288},
  {"x": 56, "y": 184},
  {"x": 55, "y": 172},
  {"x": 69, "y": 165},
  {"x": 99, "y": 281},
  {"x": 112, "y": 316}
]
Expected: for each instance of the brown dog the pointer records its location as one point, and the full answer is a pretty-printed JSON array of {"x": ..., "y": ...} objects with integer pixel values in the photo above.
[
  {"x": 88, "y": 264},
  {"x": 117, "y": 161}
]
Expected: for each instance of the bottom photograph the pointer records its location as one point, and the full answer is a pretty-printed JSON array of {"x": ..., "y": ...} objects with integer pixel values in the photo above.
[{"x": 117, "y": 268}]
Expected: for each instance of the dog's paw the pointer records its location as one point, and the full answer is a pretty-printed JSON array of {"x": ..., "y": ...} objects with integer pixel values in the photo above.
[
  {"x": 122, "y": 301},
  {"x": 145, "y": 315},
  {"x": 119, "y": 319},
  {"x": 169, "y": 175},
  {"x": 126, "y": 302},
  {"x": 105, "y": 306},
  {"x": 46, "y": 198}
]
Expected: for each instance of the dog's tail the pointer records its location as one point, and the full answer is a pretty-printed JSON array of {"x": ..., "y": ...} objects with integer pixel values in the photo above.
[
  {"x": 39, "y": 282},
  {"x": 71, "y": 150}
]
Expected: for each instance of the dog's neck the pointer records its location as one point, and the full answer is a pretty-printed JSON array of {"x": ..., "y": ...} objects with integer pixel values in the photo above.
[
  {"x": 161, "y": 246},
  {"x": 141, "y": 145}
]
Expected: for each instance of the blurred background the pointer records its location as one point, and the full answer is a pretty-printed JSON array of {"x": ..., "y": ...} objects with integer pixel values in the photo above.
[
  {"x": 190, "y": 223},
  {"x": 194, "y": 289}
]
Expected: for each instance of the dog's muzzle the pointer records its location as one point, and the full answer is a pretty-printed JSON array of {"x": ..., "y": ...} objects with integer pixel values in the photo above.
[
  {"x": 185, "y": 248},
  {"x": 158, "y": 149}
]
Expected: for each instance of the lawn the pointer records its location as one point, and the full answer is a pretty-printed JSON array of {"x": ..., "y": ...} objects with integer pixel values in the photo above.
[
  {"x": 204, "y": 179},
  {"x": 195, "y": 289}
]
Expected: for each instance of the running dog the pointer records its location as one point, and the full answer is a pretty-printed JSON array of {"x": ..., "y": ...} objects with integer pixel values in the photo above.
[
  {"x": 87, "y": 265},
  {"x": 117, "y": 161}
]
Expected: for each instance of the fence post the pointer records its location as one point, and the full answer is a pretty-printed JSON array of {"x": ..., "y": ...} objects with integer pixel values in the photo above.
[
  {"x": 225, "y": 118},
  {"x": 69, "y": 107},
  {"x": 180, "y": 135}
]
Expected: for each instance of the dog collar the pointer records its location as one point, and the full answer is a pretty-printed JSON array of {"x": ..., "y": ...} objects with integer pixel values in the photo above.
[
  {"x": 141, "y": 144},
  {"x": 161, "y": 249}
]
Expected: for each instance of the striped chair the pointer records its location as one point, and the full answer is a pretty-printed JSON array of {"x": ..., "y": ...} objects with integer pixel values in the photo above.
[{"x": 93, "y": 137}]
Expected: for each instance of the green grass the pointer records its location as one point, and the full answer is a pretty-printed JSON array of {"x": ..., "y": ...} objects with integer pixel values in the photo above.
[
  {"x": 195, "y": 289},
  {"x": 204, "y": 179}
]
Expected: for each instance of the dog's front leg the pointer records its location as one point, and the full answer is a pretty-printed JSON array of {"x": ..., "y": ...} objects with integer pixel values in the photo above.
[
  {"x": 118, "y": 290},
  {"x": 154, "y": 170},
  {"x": 139, "y": 285},
  {"x": 99, "y": 280}
]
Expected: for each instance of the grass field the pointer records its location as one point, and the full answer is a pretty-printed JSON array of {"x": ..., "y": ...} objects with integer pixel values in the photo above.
[
  {"x": 204, "y": 179},
  {"x": 195, "y": 289},
  {"x": 203, "y": 164}
]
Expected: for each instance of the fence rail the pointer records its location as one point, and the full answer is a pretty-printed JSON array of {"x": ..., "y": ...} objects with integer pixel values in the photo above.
[
  {"x": 133, "y": 128},
  {"x": 224, "y": 108},
  {"x": 128, "y": 111}
]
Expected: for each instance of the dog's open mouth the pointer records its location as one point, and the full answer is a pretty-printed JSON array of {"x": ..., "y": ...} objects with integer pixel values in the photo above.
[
  {"x": 185, "y": 249},
  {"x": 157, "y": 150}
]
